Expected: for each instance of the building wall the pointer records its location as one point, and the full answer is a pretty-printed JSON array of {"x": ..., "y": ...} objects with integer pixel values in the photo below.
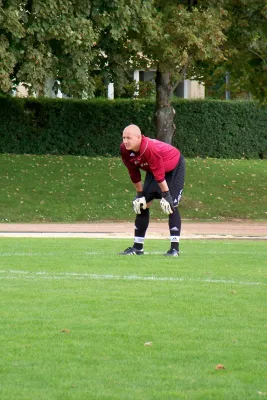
[
  {"x": 21, "y": 91},
  {"x": 194, "y": 90}
]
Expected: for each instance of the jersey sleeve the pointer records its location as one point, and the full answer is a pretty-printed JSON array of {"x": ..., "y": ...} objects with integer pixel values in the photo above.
[{"x": 134, "y": 172}]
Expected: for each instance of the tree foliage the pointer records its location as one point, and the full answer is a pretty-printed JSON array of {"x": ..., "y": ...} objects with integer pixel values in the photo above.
[
  {"x": 248, "y": 38},
  {"x": 64, "y": 39},
  {"x": 41, "y": 39},
  {"x": 68, "y": 39},
  {"x": 245, "y": 49}
]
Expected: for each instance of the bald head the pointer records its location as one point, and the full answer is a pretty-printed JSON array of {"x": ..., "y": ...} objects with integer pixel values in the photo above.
[
  {"x": 132, "y": 137},
  {"x": 133, "y": 129}
]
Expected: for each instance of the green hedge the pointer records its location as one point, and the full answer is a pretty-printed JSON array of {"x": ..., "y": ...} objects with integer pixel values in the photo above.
[
  {"x": 221, "y": 129},
  {"x": 217, "y": 129}
]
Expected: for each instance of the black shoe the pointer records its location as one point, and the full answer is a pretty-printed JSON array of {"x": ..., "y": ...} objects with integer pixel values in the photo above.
[
  {"x": 131, "y": 251},
  {"x": 172, "y": 253}
]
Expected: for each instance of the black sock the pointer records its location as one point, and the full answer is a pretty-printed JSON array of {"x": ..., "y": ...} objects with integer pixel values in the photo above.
[
  {"x": 141, "y": 224},
  {"x": 175, "y": 228}
]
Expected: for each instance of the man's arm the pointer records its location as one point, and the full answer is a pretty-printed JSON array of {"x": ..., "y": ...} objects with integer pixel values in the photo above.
[
  {"x": 138, "y": 186},
  {"x": 139, "y": 202},
  {"x": 163, "y": 186}
]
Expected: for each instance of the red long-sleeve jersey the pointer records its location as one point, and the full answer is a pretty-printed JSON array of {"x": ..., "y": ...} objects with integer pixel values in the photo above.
[{"x": 154, "y": 156}]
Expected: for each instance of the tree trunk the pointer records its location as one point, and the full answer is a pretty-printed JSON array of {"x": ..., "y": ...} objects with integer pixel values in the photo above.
[{"x": 165, "y": 126}]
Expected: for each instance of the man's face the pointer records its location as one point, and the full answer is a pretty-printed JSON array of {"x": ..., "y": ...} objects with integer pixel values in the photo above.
[{"x": 131, "y": 140}]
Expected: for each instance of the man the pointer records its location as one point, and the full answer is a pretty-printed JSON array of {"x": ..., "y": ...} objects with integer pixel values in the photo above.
[{"x": 165, "y": 171}]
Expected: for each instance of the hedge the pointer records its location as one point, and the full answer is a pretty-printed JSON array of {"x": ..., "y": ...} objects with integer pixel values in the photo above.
[
  {"x": 221, "y": 129},
  {"x": 204, "y": 128}
]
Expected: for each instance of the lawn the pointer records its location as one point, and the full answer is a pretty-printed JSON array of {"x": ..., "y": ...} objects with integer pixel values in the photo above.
[
  {"x": 80, "y": 322},
  {"x": 79, "y": 189}
]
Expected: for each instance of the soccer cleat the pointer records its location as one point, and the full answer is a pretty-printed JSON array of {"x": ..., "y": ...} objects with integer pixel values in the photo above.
[
  {"x": 172, "y": 253},
  {"x": 131, "y": 251}
]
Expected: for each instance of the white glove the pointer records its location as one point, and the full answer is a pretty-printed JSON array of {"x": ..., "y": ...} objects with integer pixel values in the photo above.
[
  {"x": 165, "y": 206},
  {"x": 139, "y": 204},
  {"x": 166, "y": 203}
]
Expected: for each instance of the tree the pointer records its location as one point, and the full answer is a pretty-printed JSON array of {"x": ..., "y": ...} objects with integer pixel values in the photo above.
[
  {"x": 64, "y": 39},
  {"x": 245, "y": 50},
  {"x": 180, "y": 35},
  {"x": 189, "y": 38},
  {"x": 247, "y": 46},
  {"x": 41, "y": 39},
  {"x": 171, "y": 37}
]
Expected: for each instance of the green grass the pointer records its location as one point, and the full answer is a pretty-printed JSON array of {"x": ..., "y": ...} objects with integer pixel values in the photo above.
[
  {"x": 73, "y": 189},
  {"x": 75, "y": 317}
]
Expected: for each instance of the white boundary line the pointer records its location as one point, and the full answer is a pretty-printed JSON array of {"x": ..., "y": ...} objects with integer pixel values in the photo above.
[
  {"x": 17, "y": 274},
  {"x": 105, "y": 235},
  {"x": 108, "y": 253}
]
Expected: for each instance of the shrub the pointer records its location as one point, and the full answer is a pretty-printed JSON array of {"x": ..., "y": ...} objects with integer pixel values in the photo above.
[{"x": 216, "y": 129}]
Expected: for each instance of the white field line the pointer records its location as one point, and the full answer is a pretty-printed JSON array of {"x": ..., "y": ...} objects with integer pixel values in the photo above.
[
  {"x": 97, "y": 253},
  {"x": 17, "y": 274},
  {"x": 104, "y": 235}
]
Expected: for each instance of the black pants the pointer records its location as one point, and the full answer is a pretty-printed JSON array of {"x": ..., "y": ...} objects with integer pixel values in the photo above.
[{"x": 175, "y": 180}]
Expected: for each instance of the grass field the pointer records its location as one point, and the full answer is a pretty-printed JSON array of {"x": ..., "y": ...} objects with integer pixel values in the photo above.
[
  {"x": 72, "y": 189},
  {"x": 80, "y": 322}
]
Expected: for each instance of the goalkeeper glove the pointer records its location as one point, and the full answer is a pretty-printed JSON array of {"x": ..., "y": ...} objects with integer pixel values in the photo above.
[
  {"x": 166, "y": 203},
  {"x": 139, "y": 203}
]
